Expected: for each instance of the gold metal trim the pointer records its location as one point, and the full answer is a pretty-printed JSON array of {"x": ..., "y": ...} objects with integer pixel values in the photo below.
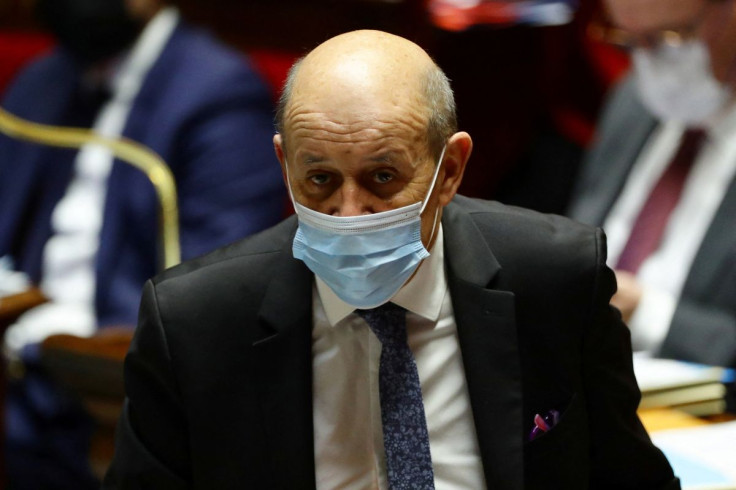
[{"x": 127, "y": 150}]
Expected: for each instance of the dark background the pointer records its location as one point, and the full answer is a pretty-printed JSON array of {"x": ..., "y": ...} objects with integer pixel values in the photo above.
[{"x": 529, "y": 96}]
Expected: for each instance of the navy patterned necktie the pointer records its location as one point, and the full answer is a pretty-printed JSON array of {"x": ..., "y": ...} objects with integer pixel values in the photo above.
[{"x": 405, "y": 436}]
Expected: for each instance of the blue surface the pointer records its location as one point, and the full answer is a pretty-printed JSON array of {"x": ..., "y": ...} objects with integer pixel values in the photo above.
[{"x": 692, "y": 473}]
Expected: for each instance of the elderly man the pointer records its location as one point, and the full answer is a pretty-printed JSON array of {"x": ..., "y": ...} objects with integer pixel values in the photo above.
[
  {"x": 393, "y": 335},
  {"x": 661, "y": 178}
]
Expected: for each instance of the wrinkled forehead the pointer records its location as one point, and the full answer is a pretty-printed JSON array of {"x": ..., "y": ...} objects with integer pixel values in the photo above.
[
  {"x": 348, "y": 104},
  {"x": 351, "y": 98},
  {"x": 364, "y": 129},
  {"x": 643, "y": 16}
]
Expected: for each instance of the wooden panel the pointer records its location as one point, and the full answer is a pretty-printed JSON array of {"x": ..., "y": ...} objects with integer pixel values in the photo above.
[
  {"x": 92, "y": 369},
  {"x": 11, "y": 307}
]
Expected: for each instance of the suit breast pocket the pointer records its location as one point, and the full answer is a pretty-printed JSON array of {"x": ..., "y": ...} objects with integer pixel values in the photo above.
[{"x": 559, "y": 457}]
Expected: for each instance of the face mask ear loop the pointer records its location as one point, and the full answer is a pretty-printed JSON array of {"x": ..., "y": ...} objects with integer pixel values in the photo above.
[
  {"x": 434, "y": 226},
  {"x": 288, "y": 186},
  {"x": 434, "y": 180},
  {"x": 426, "y": 199}
]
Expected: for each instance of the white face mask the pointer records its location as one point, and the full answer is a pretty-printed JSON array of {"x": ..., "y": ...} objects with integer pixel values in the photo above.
[{"x": 677, "y": 83}]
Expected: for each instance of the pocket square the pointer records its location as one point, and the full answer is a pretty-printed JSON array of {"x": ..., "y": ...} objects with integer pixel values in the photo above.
[{"x": 544, "y": 423}]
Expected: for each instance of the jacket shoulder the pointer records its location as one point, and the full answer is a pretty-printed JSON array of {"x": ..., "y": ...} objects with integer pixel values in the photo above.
[
  {"x": 31, "y": 88},
  {"x": 500, "y": 219},
  {"x": 208, "y": 62},
  {"x": 528, "y": 244},
  {"x": 252, "y": 255}
]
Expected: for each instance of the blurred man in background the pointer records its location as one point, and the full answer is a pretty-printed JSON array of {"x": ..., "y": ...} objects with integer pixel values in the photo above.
[
  {"x": 83, "y": 226},
  {"x": 661, "y": 178}
]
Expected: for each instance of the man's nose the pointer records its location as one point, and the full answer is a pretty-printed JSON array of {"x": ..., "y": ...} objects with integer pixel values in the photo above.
[{"x": 352, "y": 200}]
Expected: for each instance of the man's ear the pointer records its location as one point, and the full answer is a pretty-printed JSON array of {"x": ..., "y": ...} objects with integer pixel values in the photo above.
[
  {"x": 278, "y": 147},
  {"x": 459, "y": 148}
]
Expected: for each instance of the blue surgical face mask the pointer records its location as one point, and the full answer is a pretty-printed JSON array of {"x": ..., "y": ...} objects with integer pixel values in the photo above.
[{"x": 364, "y": 259}]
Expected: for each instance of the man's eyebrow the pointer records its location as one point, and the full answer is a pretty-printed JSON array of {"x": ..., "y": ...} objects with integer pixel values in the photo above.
[
  {"x": 387, "y": 157},
  {"x": 310, "y": 159}
]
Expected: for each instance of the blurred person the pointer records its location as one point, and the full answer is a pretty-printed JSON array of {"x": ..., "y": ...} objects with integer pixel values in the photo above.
[
  {"x": 661, "y": 178},
  {"x": 393, "y": 334},
  {"x": 83, "y": 226}
]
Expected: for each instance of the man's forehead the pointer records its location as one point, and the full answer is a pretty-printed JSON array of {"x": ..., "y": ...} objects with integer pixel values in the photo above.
[
  {"x": 360, "y": 86},
  {"x": 355, "y": 107},
  {"x": 358, "y": 133},
  {"x": 365, "y": 77},
  {"x": 359, "y": 108},
  {"x": 372, "y": 66}
]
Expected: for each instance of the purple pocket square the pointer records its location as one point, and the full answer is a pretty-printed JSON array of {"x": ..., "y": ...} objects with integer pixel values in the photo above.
[{"x": 544, "y": 423}]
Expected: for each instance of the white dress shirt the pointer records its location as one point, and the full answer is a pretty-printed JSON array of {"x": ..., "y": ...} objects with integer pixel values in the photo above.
[
  {"x": 348, "y": 436},
  {"x": 76, "y": 221},
  {"x": 663, "y": 274}
]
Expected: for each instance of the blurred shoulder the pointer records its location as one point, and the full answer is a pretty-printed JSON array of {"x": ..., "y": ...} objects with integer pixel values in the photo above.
[
  {"x": 209, "y": 57},
  {"x": 33, "y": 80},
  {"x": 526, "y": 240},
  {"x": 504, "y": 217}
]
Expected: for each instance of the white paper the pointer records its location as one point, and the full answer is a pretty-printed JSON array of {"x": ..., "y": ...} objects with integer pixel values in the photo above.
[{"x": 659, "y": 374}]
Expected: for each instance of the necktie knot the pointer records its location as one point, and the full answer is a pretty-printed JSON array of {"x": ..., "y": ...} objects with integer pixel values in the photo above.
[
  {"x": 690, "y": 143},
  {"x": 387, "y": 321}
]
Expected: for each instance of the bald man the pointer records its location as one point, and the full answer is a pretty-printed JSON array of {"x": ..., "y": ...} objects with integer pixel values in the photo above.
[{"x": 281, "y": 361}]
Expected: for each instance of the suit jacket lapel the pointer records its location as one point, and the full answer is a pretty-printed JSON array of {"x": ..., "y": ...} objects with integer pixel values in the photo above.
[
  {"x": 488, "y": 340},
  {"x": 282, "y": 369},
  {"x": 627, "y": 126}
]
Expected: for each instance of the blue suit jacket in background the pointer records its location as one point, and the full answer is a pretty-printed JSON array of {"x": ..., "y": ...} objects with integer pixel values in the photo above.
[
  {"x": 209, "y": 115},
  {"x": 203, "y": 109}
]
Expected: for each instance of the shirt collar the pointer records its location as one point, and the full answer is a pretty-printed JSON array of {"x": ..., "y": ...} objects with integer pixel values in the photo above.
[
  {"x": 719, "y": 129},
  {"x": 422, "y": 295}
]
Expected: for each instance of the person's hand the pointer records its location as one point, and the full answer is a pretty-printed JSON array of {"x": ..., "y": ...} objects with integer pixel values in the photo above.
[{"x": 628, "y": 295}]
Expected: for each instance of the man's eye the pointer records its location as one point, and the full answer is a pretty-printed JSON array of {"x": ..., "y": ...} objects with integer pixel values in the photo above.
[
  {"x": 319, "y": 179},
  {"x": 383, "y": 177}
]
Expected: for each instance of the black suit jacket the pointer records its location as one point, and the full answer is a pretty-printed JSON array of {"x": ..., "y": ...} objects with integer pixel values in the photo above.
[
  {"x": 219, "y": 373},
  {"x": 703, "y": 327}
]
